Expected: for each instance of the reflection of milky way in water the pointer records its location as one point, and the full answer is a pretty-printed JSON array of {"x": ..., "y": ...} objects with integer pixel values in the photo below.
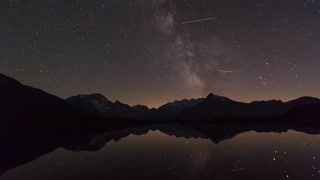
[{"x": 248, "y": 155}]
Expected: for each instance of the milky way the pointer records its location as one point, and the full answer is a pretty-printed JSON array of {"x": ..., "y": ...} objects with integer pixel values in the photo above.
[
  {"x": 154, "y": 51},
  {"x": 196, "y": 61}
]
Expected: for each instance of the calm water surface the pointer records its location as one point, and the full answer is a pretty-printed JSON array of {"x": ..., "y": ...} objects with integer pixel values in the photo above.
[{"x": 248, "y": 155}]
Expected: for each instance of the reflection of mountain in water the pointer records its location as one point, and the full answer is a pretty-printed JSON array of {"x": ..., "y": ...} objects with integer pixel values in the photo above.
[
  {"x": 15, "y": 152},
  {"x": 215, "y": 132}
]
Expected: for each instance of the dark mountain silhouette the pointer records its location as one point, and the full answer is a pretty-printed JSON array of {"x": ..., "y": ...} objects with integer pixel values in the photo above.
[
  {"x": 170, "y": 110},
  {"x": 97, "y": 104},
  {"x": 141, "y": 108},
  {"x": 100, "y": 105},
  {"x": 214, "y": 107},
  {"x": 82, "y": 103},
  {"x": 26, "y": 108},
  {"x": 307, "y": 114},
  {"x": 25, "y": 111}
]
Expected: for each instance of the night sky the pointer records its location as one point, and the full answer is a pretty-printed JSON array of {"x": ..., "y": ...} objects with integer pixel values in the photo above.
[{"x": 154, "y": 51}]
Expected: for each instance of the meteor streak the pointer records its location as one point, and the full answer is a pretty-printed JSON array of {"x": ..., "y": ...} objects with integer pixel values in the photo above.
[
  {"x": 198, "y": 20},
  {"x": 225, "y": 71}
]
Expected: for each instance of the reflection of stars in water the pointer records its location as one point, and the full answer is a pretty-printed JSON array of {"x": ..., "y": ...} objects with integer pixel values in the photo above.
[{"x": 284, "y": 157}]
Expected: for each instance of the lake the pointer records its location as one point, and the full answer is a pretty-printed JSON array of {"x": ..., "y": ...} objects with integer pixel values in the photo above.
[{"x": 177, "y": 152}]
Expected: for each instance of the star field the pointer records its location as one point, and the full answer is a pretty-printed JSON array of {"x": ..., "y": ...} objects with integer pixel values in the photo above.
[{"x": 143, "y": 52}]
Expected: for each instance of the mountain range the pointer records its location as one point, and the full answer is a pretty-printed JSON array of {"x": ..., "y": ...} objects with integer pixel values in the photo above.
[
  {"x": 26, "y": 107},
  {"x": 211, "y": 108}
]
